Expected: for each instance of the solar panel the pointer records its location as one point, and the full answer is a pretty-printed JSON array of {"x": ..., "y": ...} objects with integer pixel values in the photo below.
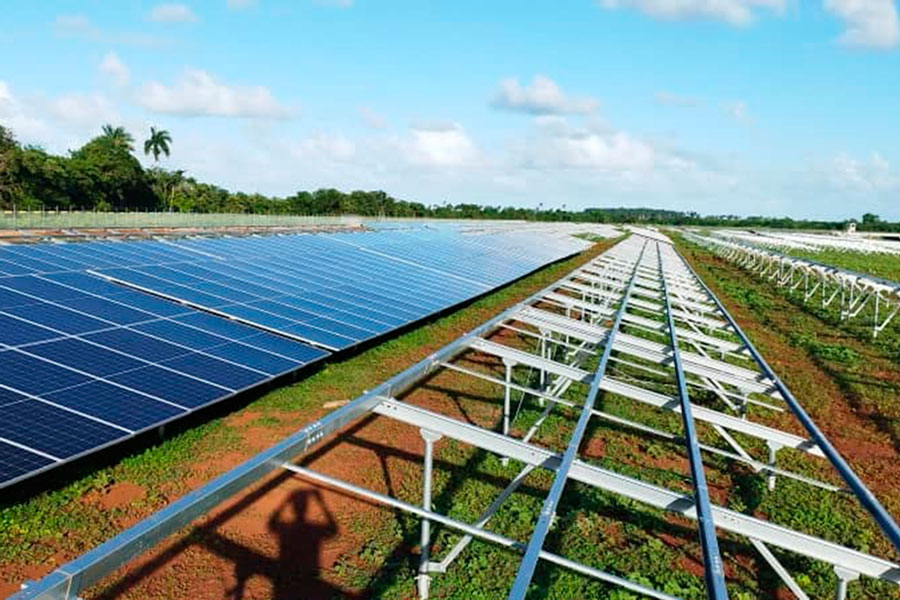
[
  {"x": 338, "y": 290},
  {"x": 86, "y": 361}
]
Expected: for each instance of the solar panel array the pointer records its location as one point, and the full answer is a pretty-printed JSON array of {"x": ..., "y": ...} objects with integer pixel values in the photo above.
[{"x": 86, "y": 362}]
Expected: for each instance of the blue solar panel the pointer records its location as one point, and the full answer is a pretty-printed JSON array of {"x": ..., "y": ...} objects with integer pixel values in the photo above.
[
  {"x": 57, "y": 317},
  {"x": 52, "y": 430},
  {"x": 35, "y": 376},
  {"x": 109, "y": 311},
  {"x": 17, "y": 462},
  {"x": 137, "y": 344},
  {"x": 97, "y": 361},
  {"x": 85, "y": 357},
  {"x": 215, "y": 370},
  {"x": 180, "y": 334},
  {"x": 16, "y": 332},
  {"x": 116, "y": 405},
  {"x": 254, "y": 358},
  {"x": 283, "y": 347},
  {"x": 182, "y": 390}
]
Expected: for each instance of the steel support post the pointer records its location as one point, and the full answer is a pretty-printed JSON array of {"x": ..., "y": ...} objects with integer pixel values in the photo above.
[
  {"x": 844, "y": 577},
  {"x": 424, "y": 579},
  {"x": 770, "y": 473}
]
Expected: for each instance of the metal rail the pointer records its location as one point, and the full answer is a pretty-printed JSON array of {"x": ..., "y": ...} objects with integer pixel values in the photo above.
[
  {"x": 850, "y": 291},
  {"x": 859, "y": 489},
  {"x": 548, "y": 512},
  {"x": 714, "y": 570}
]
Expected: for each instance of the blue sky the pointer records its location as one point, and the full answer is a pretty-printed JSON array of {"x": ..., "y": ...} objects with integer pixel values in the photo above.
[{"x": 778, "y": 107}]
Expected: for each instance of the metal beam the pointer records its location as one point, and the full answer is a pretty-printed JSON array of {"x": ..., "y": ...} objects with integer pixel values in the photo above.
[
  {"x": 881, "y": 516},
  {"x": 713, "y": 569},
  {"x": 646, "y": 493},
  {"x": 548, "y": 511}
]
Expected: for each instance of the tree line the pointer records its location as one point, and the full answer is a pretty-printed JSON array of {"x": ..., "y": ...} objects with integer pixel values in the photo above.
[{"x": 105, "y": 175}]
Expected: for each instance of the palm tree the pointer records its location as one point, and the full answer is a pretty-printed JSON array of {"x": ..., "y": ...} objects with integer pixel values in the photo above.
[
  {"x": 119, "y": 137},
  {"x": 157, "y": 143}
]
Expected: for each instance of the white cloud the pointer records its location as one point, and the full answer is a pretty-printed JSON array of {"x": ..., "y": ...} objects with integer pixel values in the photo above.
[
  {"x": 86, "y": 111},
  {"x": 371, "y": 118},
  {"x": 439, "y": 145},
  {"x": 172, "y": 13},
  {"x": 557, "y": 144},
  {"x": 869, "y": 23},
  {"x": 326, "y": 146},
  {"x": 734, "y": 12},
  {"x": 240, "y": 4},
  {"x": 737, "y": 110},
  {"x": 874, "y": 175},
  {"x": 113, "y": 67},
  {"x": 670, "y": 99},
  {"x": 57, "y": 124},
  {"x": 197, "y": 93},
  {"x": 542, "y": 97},
  {"x": 335, "y": 3}
]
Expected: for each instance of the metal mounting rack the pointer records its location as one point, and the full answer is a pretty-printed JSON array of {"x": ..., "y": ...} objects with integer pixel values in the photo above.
[
  {"x": 853, "y": 291},
  {"x": 635, "y": 323}
]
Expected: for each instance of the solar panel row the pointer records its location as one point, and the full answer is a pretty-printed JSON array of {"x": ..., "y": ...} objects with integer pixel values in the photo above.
[{"x": 85, "y": 362}]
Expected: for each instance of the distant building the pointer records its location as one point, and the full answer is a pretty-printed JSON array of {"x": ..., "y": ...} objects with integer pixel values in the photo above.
[{"x": 851, "y": 227}]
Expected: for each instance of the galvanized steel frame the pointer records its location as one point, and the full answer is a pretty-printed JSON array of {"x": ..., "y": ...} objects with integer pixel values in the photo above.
[{"x": 850, "y": 292}]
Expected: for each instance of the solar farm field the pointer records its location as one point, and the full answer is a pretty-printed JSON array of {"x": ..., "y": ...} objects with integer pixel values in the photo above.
[{"x": 613, "y": 386}]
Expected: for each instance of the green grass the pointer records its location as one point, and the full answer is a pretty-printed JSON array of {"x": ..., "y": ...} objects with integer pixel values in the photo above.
[{"x": 886, "y": 266}]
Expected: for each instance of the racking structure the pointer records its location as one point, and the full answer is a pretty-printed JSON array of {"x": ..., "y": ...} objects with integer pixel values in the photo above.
[{"x": 853, "y": 291}]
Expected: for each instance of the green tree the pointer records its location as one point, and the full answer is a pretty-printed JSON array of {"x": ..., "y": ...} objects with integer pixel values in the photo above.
[
  {"x": 119, "y": 137},
  {"x": 871, "y": 219},
  {"x": 103, "y": 170},
  {"x": 157, "y": 143},
  {"x": 9, "y": 185}
]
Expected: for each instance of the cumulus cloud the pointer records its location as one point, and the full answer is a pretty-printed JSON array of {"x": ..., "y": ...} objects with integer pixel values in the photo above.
[
  {"x": 113, "y": 67},
  {"x": 558, "y": 144},
  {"x": 733, "y": 12},
  {"x": 371, "y": 118},
  {"x": 331, "y": 147},
  {"x": 542, "y": 97},
  {"x": 58, "y": 123},
  {"x": 439, "y": 145},
  {"x": 197, "y": 93},
  {"x": 172, "y": 13},
  {"x": 869, "y": 23},
  {"x": 87, "y": 111},
  {"x": 874, "y": 175}
]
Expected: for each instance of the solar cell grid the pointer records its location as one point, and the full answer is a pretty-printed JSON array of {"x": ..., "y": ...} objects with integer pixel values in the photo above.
[
  {"x": 113, "y": 360},
  {"x": 57, "y": 432},
  {"x": 17, "y": 462}
]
